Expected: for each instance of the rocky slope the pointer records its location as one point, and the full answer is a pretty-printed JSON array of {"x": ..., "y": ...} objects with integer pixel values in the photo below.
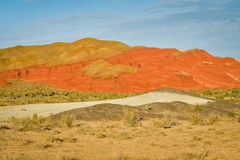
[{"x": 110, "y": 66}]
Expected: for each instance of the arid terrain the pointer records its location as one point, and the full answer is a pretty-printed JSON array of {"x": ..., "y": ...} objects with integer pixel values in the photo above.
[
  {"x": 104, "y": 100},
  {"x": 168, "y": 131},
  {"x": 20, "y": 111},
  {"x": 120, "y": 80}
]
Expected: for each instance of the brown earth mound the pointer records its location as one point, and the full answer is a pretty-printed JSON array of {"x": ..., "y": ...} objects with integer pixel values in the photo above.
[
  {"x": 115, "y": 112},
  {"x": 109, "y": 66}
]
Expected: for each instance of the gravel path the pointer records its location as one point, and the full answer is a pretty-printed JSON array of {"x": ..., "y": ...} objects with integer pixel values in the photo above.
[{"x": 47, "y": 109}]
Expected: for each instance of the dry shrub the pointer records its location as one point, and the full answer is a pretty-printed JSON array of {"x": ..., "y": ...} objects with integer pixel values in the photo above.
[
  {"x": 130, "y": 118},
  {"x": 122, "y": 135},
  {"x": 165, "y": 122},
  {"x": 212, "y": 119},
  {"x": 101, "y": 135},
  {"x": 197, "y": 119},
  {"x": 67, "y": 121},
  {"x": 35, "y": 123},
  {"x": 38, "y": 123}
]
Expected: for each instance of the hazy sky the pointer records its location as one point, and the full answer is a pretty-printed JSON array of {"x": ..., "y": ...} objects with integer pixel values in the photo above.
[{"x": 212, "y": 25}]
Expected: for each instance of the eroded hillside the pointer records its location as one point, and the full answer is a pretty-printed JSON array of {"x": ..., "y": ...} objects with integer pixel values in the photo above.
[{"x": 93, "y": 65}]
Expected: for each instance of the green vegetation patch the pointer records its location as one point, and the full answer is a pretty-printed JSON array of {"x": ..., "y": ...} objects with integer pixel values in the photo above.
[
  {"x": 19, "y": 92},
  {"x": 230, "y": 95}
]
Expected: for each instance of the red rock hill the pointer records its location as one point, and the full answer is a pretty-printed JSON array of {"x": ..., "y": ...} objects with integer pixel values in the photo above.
[{"x": 124, "y": 69}]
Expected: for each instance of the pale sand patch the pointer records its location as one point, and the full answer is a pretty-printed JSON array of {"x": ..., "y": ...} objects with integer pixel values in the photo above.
[{"x": 47, "y": 109}]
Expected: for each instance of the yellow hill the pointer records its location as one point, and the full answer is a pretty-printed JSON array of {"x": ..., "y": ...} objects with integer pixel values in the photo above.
[
  {"x": 185, "y": 52},
  {"x": 59, "y": 53},
  {"x": 104, "y": 70}
]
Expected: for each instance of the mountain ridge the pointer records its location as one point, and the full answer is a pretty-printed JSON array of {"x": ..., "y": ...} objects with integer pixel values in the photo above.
[
  {"x": 58, "y": 53},
  {"x": 93, "y": 65}
]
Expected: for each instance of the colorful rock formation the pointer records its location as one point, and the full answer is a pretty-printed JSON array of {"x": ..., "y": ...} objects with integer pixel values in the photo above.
[{"x": 110, "y": 66}]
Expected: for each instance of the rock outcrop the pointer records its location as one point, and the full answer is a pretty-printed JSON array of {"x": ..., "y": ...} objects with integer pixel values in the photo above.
[{"x": 109, "y": 66}]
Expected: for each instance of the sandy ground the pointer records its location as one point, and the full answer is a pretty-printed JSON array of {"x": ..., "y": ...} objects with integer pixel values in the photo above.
[
  {"x": 156, "y": 131},
  {"x": 113, "y": 141},
  {"x": 47, "y": 109}
]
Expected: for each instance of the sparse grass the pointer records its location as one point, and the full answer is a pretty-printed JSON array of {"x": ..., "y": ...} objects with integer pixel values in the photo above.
[
  {"x": 38, "y": 123},
  {"x": 197, "y": 108},
  {"x": 196, "y": 156},
  {"x": 189, "y": 156},
  {"x": 88, "y": 137},
  {"x": 231, "y": 114},
  {"x": 52, "y": 138},
  {"x": 46, "y": 146},
  {"x": 130, "y": 118},
  {"x": 34, "y": 123},
  {"x": 231, "y": 95},
  {"x": 197, "y": 119},
  {"x": 70, "y": 139},
  {"x": 4, "y": 127},
  {"x": 165, "y": 122},
  {"x": 93, "y": 139},
  {"x": 67, "y": 120},
  {"x": 101, "y": 135},
  {"x": 19, "y": 92},
  {"x": 28, "y": 141},
  {"x": 212, "y": 119},
  {"x": 122, "y": 135},
  {"x": 85, "y": 130}
]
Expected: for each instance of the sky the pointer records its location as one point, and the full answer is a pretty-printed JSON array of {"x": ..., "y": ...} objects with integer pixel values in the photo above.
[{"x": 212, "y": 25}]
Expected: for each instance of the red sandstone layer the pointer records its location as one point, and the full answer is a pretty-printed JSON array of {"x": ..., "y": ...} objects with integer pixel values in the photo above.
[{"x": 157, "y": 68}]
